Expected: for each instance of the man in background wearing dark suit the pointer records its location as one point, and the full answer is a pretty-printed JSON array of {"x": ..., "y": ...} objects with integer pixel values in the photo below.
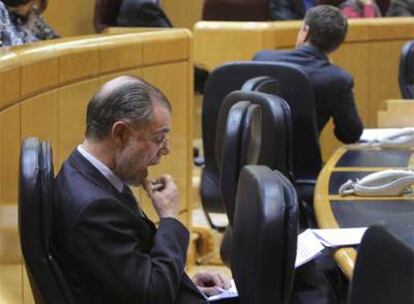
[
  {"x": 289, "y": 9},
  {"x": 108, "y": 249},
  {"x": 323, "y": 31}
]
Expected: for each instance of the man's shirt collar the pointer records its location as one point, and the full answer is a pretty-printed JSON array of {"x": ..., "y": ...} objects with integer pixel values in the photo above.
[{"x": 104, "y": 170}]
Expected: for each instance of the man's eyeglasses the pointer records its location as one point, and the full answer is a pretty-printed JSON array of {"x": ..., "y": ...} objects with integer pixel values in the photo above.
[{"x": 160, "y": 142}]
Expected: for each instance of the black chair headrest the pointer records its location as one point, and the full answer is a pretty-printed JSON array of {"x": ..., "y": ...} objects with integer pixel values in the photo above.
[
  {"x": 263, "y": 252},
  {"x": 263, "y": 84},
  {"x": 384, "y": 269}
]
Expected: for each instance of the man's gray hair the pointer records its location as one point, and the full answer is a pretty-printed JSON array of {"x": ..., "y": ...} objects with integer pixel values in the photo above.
[{"x": 124, "y": 98}]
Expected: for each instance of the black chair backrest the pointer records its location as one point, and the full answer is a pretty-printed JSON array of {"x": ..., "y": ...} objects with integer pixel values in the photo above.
[
  {"x": 35, "y": 223},
  {"x": 384, "y": 269},
  {"x": 236, "y": 10},
  {"x": 264, "y": 236},
  {"x": 406, "y": 73},
  {"x": 238, "y": 144},
  {"x": 296, "y": 90},
  {"x": 263, "y": 84}
]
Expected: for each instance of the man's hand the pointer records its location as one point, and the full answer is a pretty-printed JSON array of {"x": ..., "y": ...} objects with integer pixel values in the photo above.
[
  {"x": 164, "y": 200},
  {"x": 210, "y": 283}
]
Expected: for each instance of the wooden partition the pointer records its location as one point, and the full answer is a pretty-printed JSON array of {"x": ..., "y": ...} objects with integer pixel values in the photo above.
[
  {"x": 398, "y": 113},
  {"x": 370, "y": 53},
  {"x": 44, "y": 90}
]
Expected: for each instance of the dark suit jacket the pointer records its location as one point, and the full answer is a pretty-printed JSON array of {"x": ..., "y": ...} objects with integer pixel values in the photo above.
[
  {"x": 142, "y": 13},
  {"x": 401, "y": 8},
  {"x": 107, "y": 251},
  {"x": 287, "y": 9},
  {"x": 333, "y": 89}
]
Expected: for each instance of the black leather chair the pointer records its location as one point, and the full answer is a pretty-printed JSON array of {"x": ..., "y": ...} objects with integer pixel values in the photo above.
[
  {"x": 236, "y": 10},
  {"x": 295, "y": 88},
  {"x": 35, "y": 223},
  {"x": 406, "y": 73},
  {"x": 384, "y": 269},
  {"x": 264, "y": 236},
  {"x": 238, "y": 144}
]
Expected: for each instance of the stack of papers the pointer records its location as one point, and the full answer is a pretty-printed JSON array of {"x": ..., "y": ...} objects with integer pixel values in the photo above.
[{"x": 311, "y": 242}]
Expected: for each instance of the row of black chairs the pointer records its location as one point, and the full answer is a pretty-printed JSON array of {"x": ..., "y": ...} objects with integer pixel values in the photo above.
[
  {"x": 265, "y": 218},
  {"x": 298, "y": 134}
]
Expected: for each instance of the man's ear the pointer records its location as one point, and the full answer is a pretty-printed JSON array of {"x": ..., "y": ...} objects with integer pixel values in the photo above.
[
  {"x": 119, "y": 133},
  {"x": 306, "y": 32}
]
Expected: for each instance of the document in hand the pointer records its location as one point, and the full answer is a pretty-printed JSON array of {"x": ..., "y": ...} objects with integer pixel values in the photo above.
[
  {"x": 225, "y": 293},
  {"x": 311, "y": 242}
]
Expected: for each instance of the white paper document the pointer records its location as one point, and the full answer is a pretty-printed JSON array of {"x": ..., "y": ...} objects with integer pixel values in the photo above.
[
  {"x": 308, "y": 247},
  {"x": 340, "y": 237},
  {"x": 377, "y": 134},
  {"x": 226, "y": 293},
  {"x": 312, "y": 241}
]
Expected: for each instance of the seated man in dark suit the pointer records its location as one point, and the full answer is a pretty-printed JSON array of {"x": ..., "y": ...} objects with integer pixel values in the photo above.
[
  {"x": 323, "y": 31},
  {"x": 289, "y": 9},
  {"x": 108, "y": 249}
]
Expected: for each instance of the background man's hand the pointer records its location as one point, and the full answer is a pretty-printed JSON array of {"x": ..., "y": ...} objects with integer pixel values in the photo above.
[
  {"x": 210, "y": 282},
  {"x": 164, "y": 200}
]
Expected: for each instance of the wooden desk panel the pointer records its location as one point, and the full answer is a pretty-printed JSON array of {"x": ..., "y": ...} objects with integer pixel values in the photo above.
[
  {"x": 10, "y": 151},
  {"x": 39, "y": 76},
  {"x": 39, "y": 117},
  {"x": 9, "y": 87},
  {"x": 77, "y": 66}
]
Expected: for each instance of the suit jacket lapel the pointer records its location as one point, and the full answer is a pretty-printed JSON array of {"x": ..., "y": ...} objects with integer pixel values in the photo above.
[{"x": 91, "y": 173}]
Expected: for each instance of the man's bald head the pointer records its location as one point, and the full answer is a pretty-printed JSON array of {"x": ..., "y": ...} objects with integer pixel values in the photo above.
[{"x": 123, "y": 98}]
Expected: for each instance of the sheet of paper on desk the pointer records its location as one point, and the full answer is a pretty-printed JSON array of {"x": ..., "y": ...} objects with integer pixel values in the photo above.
[
  {"x": 225, "y": 294},
  {"x": 308, "y": 247},
  {"x": 340, "y": 237},
  {"x": 312, "y": 241},
  {"x": 377, "y": 134}
]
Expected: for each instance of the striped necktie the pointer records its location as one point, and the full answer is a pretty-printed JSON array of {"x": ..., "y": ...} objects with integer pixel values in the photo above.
[{"x": 132, "y": 201}]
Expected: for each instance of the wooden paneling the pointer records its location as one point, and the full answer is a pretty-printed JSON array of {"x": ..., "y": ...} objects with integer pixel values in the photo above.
[
  {"x": 79, "y": 66},
  {"x": 115, "y": 59},
  {"x": 40, "y": 118},
  {"x": 39, "y": 76},
  {"x": 383, "y": 77},
  {"x": 10, "y": 150},
  {"x": 171, "y": 48},
  {"x": 218, "y": 42},
  {"x": 9, "y": 87},
  {"x": 73, "y": 101},
  {"x": 397, "y": 113},
  {"x": 183, "y": 13}
]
